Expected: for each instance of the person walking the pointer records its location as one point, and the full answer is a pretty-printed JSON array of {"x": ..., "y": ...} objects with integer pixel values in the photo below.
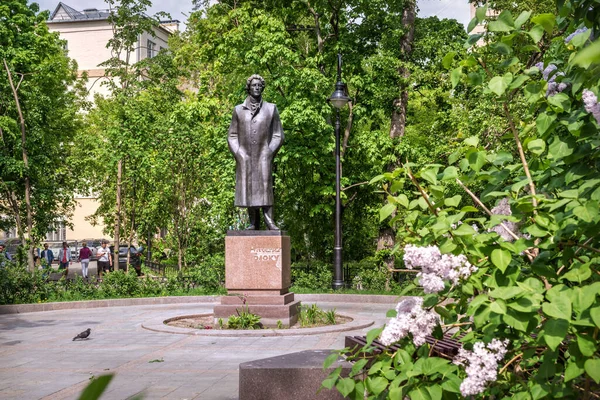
[
  {"x": 47, "y": 256},
  {"x": 4, "y": 256},
  {"x": 104, "y": 259},
  {"x": 64, "y": 258},
  {"x": 84, "y": 258}
]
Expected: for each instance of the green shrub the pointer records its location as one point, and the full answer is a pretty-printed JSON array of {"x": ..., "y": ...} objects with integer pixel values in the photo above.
[
  {"x": 314, "y": 315},
  {"x": 319, "y": 276}
]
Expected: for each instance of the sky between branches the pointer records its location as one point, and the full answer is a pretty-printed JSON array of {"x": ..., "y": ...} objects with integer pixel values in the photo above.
[{"x": 180, "y": 9}]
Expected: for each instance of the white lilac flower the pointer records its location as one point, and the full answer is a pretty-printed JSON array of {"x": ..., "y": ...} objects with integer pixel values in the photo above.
[
  {"x": 431, "y": 282},
  {"x": 411, "y": 318},
  {"x": 436, "y": 267},
  {"x": 503, "y": 208},
  {"x": 590, "y": 102},
  {"x": 572, "y": 35},
  {"x": 481, "y": 365}
]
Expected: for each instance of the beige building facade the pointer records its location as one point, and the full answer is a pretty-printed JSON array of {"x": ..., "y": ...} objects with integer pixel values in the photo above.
[{"x": 87, "y": 33}]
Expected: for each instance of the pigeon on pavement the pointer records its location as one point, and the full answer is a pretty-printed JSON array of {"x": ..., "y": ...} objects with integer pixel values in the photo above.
[{"x": 83, "y": 335}]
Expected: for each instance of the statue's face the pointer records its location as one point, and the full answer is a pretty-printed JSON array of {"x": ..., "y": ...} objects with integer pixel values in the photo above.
[{"x": 255, "y": 88}]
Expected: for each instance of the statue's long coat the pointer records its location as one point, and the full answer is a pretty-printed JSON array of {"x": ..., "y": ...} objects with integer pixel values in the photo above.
[{"x": 254, "y": 139}]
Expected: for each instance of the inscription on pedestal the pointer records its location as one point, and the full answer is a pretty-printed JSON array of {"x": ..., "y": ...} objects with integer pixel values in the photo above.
[
  {"x": 268, "y": 254},
  {"x": 257, "y": 263}
]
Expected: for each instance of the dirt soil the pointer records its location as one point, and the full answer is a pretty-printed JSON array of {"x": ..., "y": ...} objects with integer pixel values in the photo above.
[{"x": 206, "y": 322}]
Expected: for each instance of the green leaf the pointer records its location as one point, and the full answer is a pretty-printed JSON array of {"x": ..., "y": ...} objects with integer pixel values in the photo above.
[
  {"x": 501, "y": 48},
  {"x": 386, "y": 211},
  {"x": 517, "y": 320},
  {"x": 559, "y": 149},
  {"x": 435, "y": 391},
  {"x": 592, "y": 368},
  {"x": 481, "y": 12},
  {"x": 358, "y": 366},
  {"x": 505, "y": 293},
  {"x": 464, "y": 230},
  {"x": 498, "y": 85},
  {"x": 332, "y": 378},
  {"x": 333, "y": 357},
  {"x": 504, "y": 23},
  {"x": 455, "y": 76},
  {"x": 448, "y": 59},
  {"x": 518, "y": 81},
  {"x": 560, "y": 102},
  {"x": 595, "y": 314},
  {"x": 544, "y": 121},
  {"x": 345, "y": 386},
  {"x": 453, "y": 201},
  {"x": 522, "y": 18},
  {"x": 498, "y": 306},
  {"x": 450, "y": 172},
  {"x": 373, "y": 334},
  {"x": 573, "y": 370},
  {"x": 588, "y": 212},
  {"x": 402, "y": 200},
  {"x": 580, "y": 39},
  {"x": 537, "y": 146},
  {"x": 477, "y": 160},
  {"x": 472, "y": 25},
  {"x": 536, "y": 33},
  {"x": 430, "y": 175},
  {"x": 377, "y": 179},
  {"x": 547, "y": 21},
  {"x": 588, "y": 55},
  {"x": 560, "y": 307},
  {"x": 472, "y": 141},
  {"x": 555, "y": 331},
  {"x": 500, "y": 258},
  {"x": 420, "y": 393},
  {"x": 96, "y": 387},
  {"x": 586, "y": 344},
  {"x": 377, "y": 385}
]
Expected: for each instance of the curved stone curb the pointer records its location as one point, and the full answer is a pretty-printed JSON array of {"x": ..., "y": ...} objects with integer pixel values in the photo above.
[
  {"x": 143, "y": 301},
  {"x": 70, "y": 305},
  {"x": 158, "y": 325}
]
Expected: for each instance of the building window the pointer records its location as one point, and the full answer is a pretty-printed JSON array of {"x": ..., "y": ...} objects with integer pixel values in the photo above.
[
  {"x": 57, "y": 232},
  {"x": 151, "y": 47}
]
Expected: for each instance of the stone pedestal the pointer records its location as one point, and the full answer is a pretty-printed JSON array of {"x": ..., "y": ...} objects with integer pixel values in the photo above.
[
  {"x": 296, "y": 376},
  {"x": 257, "y": 271}
]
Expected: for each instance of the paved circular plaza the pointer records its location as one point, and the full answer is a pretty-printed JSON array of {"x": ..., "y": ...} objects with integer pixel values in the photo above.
[{"x": 41, "y": 361}]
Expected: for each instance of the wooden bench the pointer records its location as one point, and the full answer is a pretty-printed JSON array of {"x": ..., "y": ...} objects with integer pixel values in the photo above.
[{"x": 446, "y": 348}]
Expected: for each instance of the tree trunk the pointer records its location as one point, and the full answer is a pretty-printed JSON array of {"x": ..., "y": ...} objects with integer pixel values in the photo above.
[
  {"x": 400, "y": 103},
  {"x": 387, "y": 235},
  {"x": 27, "y": 235},
  {"x": 118, "y": 216}
]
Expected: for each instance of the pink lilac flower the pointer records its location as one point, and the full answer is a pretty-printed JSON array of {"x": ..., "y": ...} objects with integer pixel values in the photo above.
[
  {"x": 481, "y": 365},
  {"x": 572, "y": 35},
  {"x": 590, "y": 102},
  {"x": 436, "y": 267},
  {"x": 411, "y": 318}
]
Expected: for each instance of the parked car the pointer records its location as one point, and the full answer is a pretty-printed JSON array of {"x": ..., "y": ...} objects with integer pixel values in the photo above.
[
  {"x": 12, "y": 246},
  {"x": 135, "y": 260}
]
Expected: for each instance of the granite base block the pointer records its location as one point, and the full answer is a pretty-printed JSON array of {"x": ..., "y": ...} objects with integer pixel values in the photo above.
[
  {"x": 269, "y": 314},
  {"x": 253, "y": 299},
  {"x": 295, "y": 376}
]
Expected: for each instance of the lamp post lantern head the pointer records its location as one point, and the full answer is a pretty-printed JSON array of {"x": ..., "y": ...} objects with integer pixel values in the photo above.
[{"x": 339, "y": 99}]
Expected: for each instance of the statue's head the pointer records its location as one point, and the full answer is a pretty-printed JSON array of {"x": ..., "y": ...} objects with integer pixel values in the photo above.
[{"x": 258, "y": 78}]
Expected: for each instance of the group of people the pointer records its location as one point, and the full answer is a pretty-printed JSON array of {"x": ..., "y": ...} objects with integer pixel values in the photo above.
[{"x": 46, "y": 257}]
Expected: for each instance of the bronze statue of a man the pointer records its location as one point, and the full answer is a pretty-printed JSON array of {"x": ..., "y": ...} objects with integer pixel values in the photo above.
[{"x": 255, "y": 136}]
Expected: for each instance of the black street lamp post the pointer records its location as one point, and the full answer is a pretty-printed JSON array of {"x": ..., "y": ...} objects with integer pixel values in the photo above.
[{"x": 338, "y": 99}]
